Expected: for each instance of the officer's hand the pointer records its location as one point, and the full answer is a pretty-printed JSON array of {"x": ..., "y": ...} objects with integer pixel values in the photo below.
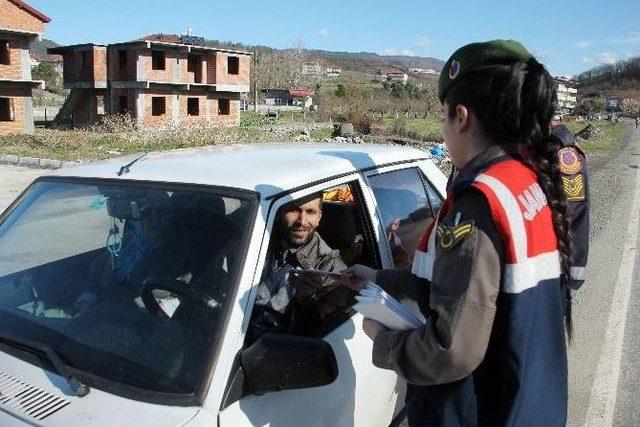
[
  {"x": 372, "y": 328},
  {"x": 358, "y": 276}
]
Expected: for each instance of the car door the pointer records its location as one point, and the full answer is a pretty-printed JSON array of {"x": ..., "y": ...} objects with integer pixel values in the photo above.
[{"x": 362, "y": 395}]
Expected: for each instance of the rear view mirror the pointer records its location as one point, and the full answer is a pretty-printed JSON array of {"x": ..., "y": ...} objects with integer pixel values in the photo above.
[{"x": 282, "y": 362}]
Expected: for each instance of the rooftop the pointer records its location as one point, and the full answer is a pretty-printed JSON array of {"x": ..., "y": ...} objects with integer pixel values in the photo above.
[
  {"x": 266, "y": 168},
  {"x": 33, "y": 11}
]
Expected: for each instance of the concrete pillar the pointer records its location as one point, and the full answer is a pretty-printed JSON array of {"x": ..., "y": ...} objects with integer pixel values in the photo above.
[
  {"x": 175, "y": 108},
  {"x": 25, "y": 60},
  {"x": 29, "y": 126},
  {"x": 141, "y": 105},
  {"x": 207, "y": 109},
  {"x": 139, "y": 65},
  {"x": 175, "y": 73}
]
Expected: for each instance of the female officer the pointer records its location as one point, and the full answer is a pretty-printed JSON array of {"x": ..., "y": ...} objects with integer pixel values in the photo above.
[{"x": 492, "y": 274}]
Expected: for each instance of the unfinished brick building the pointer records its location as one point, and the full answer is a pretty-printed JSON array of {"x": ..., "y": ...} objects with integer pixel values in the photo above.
[
  {"x": 156, "y": 81},
  {"x": 20, "y": 24}
]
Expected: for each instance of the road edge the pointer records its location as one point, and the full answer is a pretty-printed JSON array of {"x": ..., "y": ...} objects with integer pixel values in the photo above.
[
  {"x": 602, "y": 400},
  {"x": 34, "y": 162}
]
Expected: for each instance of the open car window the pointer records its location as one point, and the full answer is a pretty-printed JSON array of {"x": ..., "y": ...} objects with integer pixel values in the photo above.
[
  {"x": 346, "y": 231},
  {"x": 128, "y": 282}
]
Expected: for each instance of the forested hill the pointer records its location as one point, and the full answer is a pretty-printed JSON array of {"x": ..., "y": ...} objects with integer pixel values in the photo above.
[{"x": 620, "y": 79}]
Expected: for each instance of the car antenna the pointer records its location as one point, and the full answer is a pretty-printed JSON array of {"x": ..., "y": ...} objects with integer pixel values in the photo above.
[{"x": 125, "y": 169}]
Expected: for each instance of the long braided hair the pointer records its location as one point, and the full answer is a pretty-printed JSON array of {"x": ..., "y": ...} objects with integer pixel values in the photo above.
[{"x": 514, "y": 105}]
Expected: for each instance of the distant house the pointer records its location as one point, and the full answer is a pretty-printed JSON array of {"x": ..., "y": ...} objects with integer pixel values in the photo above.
[
  {"x": 567, "y": 91},
  {"x": 55, "y": 60},
  {"x": 392, "y": 75},
  {"x": 424, "y": 71},
  {"x": 333, "y": 73},
  {"x": 20, "y": 24},
  {"x": 296, "y": 97},
  {"x": 311, "y": 70}
]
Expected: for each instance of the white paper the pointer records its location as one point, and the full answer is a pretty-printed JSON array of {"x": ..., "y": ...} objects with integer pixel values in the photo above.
[{"x": 374, "y": 303}]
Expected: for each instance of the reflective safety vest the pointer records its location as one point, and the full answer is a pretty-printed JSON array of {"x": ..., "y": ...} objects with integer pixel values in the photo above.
[{"x": 523, "y": 377}]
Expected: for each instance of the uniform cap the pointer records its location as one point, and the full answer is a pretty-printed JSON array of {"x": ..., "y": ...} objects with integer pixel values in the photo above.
[{"x": 475, "y": 56}]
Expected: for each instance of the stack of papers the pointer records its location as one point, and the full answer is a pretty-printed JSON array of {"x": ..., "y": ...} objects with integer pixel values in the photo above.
[{"x": 374, "y": 303}]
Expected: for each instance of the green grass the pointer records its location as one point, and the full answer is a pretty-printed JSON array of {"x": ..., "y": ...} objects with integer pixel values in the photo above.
[
  {"x": 429, "y": 129},
  {"x": 606, "y": 139}
]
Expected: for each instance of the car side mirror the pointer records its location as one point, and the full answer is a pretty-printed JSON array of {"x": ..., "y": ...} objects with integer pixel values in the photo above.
[{"x": 282, "y": 362}]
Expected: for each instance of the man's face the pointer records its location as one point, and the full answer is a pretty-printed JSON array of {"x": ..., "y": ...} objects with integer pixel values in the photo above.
[{"x": 300, "y": 220}]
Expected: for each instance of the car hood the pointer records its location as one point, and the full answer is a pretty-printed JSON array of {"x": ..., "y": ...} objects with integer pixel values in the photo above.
[{"x": 30, "y": 395}]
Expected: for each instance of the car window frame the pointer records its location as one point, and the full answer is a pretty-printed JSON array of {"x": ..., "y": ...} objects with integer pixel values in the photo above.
[{"x": 426, "y": 170}]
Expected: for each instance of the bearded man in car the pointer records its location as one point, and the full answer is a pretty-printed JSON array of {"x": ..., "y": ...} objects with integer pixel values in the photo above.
[{"x": 290, "y": 300}]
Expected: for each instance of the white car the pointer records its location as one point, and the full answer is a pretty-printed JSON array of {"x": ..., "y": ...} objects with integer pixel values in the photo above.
[{"x": 127, "y": 287}]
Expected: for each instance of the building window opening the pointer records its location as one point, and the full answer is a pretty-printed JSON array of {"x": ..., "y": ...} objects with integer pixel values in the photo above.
[
  {"x": 84, "y": 60},
  {"x": 158, "y": 105},
  {"x": 123, "y": 104},
  {"x": 224, "y": 107},
  {"x": 233, "y": 65},
  {"x": 192, "y": 63},
  {"x": 157, "y": 60},
  {"x": 5, "y": 53},
  {"x": 6, "y": 110},
  {"x": 122, "y": 60},
  {"x": 193, "y": 106}
]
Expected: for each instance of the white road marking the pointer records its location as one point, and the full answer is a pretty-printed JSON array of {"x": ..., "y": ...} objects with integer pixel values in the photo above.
[{"x": 602, "y": 402}]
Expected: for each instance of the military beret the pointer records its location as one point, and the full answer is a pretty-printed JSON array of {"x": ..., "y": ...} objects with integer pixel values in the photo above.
[{"x": 479, "y": 55}]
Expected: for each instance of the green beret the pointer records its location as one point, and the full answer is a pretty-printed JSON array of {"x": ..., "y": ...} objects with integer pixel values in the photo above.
[{"x": 479, "y": 55}]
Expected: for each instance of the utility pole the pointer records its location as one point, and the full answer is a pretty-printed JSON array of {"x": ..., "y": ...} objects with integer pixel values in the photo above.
[{"x": 255, "y": 81}]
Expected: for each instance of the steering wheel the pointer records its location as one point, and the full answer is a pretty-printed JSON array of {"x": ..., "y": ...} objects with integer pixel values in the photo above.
[{"x": 171, "y": 286}]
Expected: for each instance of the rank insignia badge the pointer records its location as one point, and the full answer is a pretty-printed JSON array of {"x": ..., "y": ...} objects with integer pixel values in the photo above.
[
  {"x": 454, "y": 69},
  {"x": 448, "y": 237},
  {"x": 569, "y": 161},
  {"x": 574, "y": 187}
]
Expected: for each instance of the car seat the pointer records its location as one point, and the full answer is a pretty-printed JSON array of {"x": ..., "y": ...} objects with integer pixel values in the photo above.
[{"x": 339, "y": 228}]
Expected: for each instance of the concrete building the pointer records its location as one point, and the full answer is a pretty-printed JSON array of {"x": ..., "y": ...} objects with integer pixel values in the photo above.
[
  {"x": 155, "y": 81},
  {"x": 20, "y": 24},
  {"x": 311, "y": 70},
  {"x": 567, "y": 93}
]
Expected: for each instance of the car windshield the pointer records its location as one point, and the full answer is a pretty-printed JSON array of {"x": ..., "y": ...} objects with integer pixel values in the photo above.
[{"x": 126, "y": 282}]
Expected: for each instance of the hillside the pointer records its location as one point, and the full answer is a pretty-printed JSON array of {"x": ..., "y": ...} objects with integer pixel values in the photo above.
[
  {"x": 621, "y": 79},
  {"x": 360, "y": 62},
  {"x": 39, "y": 47}
]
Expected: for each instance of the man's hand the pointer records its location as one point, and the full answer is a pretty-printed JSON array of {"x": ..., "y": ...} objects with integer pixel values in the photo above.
[
  {"x": 372, "y": 328},
  {"x": 359, "y": 276}
]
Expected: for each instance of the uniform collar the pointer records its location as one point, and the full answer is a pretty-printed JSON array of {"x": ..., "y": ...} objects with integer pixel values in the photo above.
[{"x": 474, "y": 167}]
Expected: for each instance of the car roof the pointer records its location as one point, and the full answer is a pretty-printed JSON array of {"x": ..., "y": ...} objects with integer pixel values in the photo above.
[{"x": 268, "y": 169}]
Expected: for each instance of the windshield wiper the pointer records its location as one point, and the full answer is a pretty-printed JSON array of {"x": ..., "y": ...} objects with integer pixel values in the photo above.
[
  {"x": 125, "y": 169},
  {"x": 79, "y": 389}
]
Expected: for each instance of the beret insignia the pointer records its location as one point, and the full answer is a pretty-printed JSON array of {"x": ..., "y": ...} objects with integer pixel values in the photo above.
[
  {"x": 574, "y": 187},
  {"x": 569, "y": 161},
  {"x": 454, "y": 69},
  {"x": 449, "y": 237}
]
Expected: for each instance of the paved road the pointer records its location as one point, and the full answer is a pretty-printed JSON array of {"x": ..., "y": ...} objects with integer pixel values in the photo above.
[
  {"x": 13, "y": 180},
  {"x": 604, "y": 357}
]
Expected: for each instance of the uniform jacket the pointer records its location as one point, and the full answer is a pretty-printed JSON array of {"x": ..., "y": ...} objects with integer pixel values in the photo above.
[
  {"x": 575, "y": 180},
  {"x": 486, "y": 276}
]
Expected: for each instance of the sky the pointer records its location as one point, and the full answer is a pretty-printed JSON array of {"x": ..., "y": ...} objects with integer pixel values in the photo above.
[{"x": 567, "y": 36}]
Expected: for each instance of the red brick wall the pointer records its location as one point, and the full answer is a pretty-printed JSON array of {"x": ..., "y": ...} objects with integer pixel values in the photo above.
[
  {"x": 100, "y": 64},
  {"x": 150, "y": 119},
  {"x": 223, "y": 77},
  {"x": 189, "y": 77},
  {"x": 165, "y": 75},
  {"x": 234, "y": 109},
  {"x": 211, "y": 68},
  {"x": 15, "y": 18},
  {"x": 18, "y": 124},
  {"x": 130, "y": 72},
  {"x": 13, "y": 70},
  {"x": 202, "y": 117}
]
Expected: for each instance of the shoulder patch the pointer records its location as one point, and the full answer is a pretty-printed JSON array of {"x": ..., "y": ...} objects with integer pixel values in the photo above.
[
  {"x": 448, "y": 237},
  {"x": 569, "y": 160},
  {"x": 574, "y": 187}
]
